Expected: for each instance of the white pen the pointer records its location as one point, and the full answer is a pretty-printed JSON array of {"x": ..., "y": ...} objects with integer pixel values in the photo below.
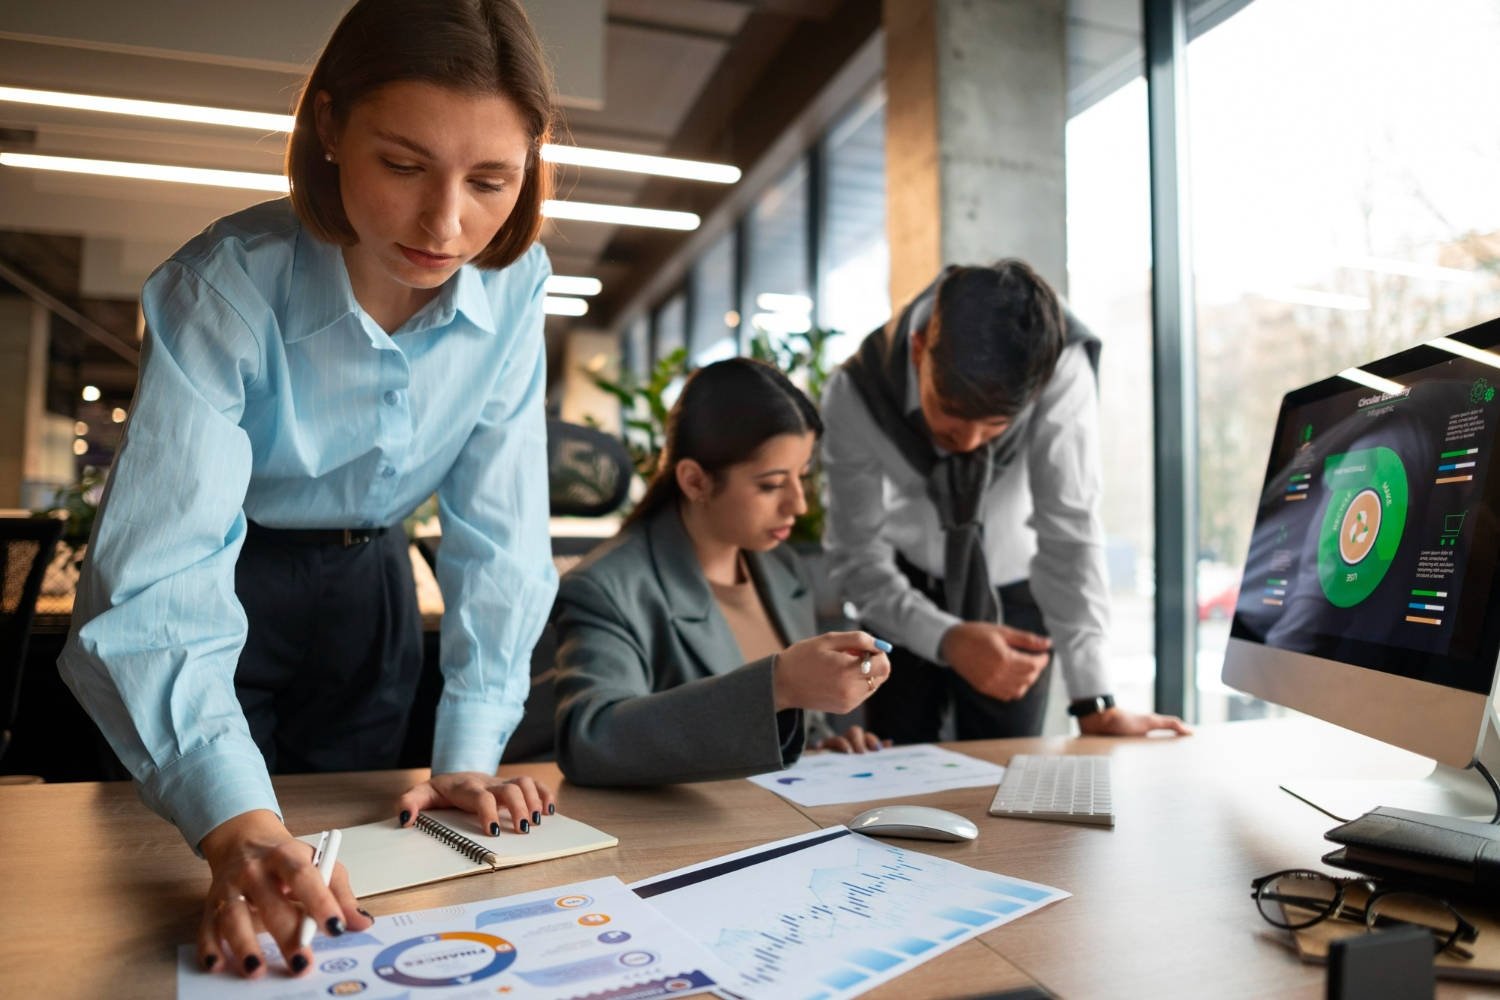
[{"x": 325, "y": 857}]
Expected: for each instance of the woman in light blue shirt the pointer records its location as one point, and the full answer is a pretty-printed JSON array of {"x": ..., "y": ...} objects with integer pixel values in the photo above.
[{"x": 314, "y": 369}]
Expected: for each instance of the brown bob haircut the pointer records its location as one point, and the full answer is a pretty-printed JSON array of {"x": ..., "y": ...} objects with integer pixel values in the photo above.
[{"x": 474, "y": 46}]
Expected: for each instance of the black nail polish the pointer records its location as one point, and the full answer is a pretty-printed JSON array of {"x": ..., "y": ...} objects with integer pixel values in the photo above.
[
  {"x": 536, "y": 818},
  {"x": 525, "y": 826},
  {"x": 366, "y": 914},
  {"x": 209, "y": 962},
  {"x": 494, "y": 829},
  {"x": 299, "y": 963},
  {"x": 335, "y": 926},
  {"x": 551, "y": 809},
  {"x": 405, "y": 816},
  {"x": 251, "y": 963}
]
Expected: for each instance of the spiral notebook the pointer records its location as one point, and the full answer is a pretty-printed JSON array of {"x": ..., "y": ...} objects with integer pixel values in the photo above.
[{"x": 446, "y": 843}]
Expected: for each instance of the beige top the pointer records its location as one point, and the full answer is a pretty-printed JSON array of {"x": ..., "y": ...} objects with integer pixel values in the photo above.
[{"x": 747, "y": 619}]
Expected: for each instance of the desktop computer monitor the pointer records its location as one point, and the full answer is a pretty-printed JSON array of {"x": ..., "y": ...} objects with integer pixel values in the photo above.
[{"x": 1371, "y": 591}]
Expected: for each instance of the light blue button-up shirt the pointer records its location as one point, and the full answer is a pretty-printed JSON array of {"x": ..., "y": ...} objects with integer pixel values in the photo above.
[{"x": 266, "y": 392}]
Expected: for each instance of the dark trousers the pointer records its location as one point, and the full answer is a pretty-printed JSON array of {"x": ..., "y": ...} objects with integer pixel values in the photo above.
[
  {"x": 908, "y": 707},
  {"x": 331, "y": 663}
]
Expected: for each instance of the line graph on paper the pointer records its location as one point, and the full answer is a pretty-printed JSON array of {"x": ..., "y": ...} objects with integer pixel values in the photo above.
[{"x": 838, "y": 916}]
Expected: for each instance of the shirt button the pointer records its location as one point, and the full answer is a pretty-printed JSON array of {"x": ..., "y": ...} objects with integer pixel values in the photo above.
[
  {"x": 388, "y": 472},
  {"x": 391, "y": 397}
]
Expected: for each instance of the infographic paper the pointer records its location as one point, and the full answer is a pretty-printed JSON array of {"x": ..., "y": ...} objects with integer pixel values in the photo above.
[
  {"x": 827, "y": 779},
  {"x": 830, "y": 914},
  {"x": 592, "y": 939}
]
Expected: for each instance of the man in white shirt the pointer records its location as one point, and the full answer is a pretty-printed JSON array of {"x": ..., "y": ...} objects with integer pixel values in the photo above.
[{"x": 962, "y": 460}]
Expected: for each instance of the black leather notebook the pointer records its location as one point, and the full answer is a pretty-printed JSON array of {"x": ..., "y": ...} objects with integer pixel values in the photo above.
[{"x": 1399, "y": 843}]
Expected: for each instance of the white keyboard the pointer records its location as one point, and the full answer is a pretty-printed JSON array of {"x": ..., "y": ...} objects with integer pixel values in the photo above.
[{"x": 1065, "y": 788}]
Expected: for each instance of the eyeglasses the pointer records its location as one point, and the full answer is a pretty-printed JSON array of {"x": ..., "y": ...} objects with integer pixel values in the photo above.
[{"x": 1299, "y": 898}]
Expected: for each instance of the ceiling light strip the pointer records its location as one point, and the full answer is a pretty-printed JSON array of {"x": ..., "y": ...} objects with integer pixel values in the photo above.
[
  {"x": 620, "y": 215},
  {"x": 562, "y": 284},
  {"x": 660, "y": 166},
  {"x": 151, "y": 109},
  {"x": 604, "y": 159},
  {"x": 561, "y": 305},
  {"x": 149, "y": 171}
]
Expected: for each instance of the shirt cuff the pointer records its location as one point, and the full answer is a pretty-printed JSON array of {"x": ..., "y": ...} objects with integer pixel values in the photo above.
[
  {"x": 209, "y": 786},
  {"x": 471, "y": 735},
  {"x": 1084, "y": 667},
  {"x": 925, "y": 630}
]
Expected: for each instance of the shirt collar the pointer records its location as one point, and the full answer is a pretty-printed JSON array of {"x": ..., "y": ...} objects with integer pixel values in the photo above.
[{"x": 322, "y": 296}]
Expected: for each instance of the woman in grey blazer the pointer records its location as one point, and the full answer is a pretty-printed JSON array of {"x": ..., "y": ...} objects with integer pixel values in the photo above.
[{"x": 687, "y": 645}]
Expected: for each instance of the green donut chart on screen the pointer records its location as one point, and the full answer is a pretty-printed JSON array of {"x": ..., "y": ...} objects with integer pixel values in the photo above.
[{"x": 1363, "y": 523}]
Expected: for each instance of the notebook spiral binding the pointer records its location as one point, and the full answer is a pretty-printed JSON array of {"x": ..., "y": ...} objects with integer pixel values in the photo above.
[{"x": 454, "y": 839}]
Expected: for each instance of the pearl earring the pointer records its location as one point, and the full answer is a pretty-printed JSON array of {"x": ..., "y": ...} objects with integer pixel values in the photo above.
[{"x": 328, "y": 157}]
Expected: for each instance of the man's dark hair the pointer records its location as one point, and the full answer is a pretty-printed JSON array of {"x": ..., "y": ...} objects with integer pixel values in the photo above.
[{"x": 999, "y": 333}]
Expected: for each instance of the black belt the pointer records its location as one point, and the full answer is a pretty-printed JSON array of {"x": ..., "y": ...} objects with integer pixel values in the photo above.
[{"x": 345, "y": 537}]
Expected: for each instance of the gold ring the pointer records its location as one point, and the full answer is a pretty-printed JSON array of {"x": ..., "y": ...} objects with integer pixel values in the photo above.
[
  {"x": 225, "y": 902},
  {"x": 870, "y": 681}
]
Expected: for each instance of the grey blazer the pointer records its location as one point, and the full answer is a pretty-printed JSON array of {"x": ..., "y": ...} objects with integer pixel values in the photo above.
[{"x": 651, "y": 687}]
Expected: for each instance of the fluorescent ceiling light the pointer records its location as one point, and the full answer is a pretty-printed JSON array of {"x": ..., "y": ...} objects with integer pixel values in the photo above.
[
  {"x": 776, "y": 302},
  {"x": 1369, "y": 381},
  {"x": 620, "y": 215},
  {"x": 1411, "y": 269},
  {"x": 1323, "y": 300},
  {"x": 605, "y": 159},
  {"x": 148, "y": 171},
  {"x": 557, "y": 305},
  {"x": 661, "y": 166},
  {"x": 1465, "y": 351},
  {"x": 561, "y": 284},
  {"x": 151, "y": 109}
]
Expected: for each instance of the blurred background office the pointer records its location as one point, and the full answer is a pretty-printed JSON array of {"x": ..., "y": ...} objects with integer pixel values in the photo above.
[{"x": 1274, "y": 191}]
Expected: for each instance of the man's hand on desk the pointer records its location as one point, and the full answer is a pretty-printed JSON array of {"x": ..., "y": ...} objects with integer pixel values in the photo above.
[
  {"x": 1118, "y": 722},
  {"x": 261, "y": 870},
  {"x": 996, "y": 660}
]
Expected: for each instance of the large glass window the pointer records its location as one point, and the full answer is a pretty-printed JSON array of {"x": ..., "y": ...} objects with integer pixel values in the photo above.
[
  {"x": 779, "y": 300},
  {"x": 1109, "y": 286},
  {"x": 1344, "y": 157},
  {"x": 671, "y": 326},
  {"x": 714, "y": 319},
  {"x": 855, "y": 270}
]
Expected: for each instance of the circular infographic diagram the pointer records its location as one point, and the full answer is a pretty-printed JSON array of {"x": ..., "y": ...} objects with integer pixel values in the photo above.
[
  {"x": 450, "y": 959},
  {"x": 1363, "y": 523}
]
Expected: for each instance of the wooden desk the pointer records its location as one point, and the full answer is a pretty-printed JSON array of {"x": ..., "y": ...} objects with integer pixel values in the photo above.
[{"x": 95, "y": 892}]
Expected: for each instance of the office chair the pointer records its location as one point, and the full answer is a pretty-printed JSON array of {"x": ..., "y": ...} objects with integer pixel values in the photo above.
[
  {"x": 26, "y": 548},
  {"x": 588, "y": 471}
]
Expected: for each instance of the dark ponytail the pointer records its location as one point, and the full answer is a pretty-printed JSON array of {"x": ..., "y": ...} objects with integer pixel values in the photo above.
[{"x": 726, "y": 412}]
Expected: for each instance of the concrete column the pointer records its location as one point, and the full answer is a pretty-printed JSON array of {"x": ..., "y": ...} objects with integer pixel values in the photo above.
[
  {"x": 23, "y": 388},
  {"x": 977, "y": 104}
]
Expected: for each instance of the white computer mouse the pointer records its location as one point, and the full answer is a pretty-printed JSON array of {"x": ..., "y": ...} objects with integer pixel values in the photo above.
[{"x": 919, "y": 822}]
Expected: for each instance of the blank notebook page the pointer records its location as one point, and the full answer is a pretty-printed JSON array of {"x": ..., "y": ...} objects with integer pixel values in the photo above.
[{"x": 382, "y": 857}]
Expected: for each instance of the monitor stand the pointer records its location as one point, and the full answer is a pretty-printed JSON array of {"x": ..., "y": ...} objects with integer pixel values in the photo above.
[{"x": 1447, "y": 791}]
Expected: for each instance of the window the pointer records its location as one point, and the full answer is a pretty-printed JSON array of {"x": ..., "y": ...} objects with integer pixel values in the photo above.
[
  {"x": 779, "y": 300},
  {"x": 1344, "y": 207},
  {"x": 671, "y": 326},
  {"x": 1109, "y": 284},
  {"x": 714, "y": 333},
  {"x": 855, "y": 270}
]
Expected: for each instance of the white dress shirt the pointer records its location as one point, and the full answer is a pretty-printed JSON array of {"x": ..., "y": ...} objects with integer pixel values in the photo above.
[{"x": 1040, "y": 514}]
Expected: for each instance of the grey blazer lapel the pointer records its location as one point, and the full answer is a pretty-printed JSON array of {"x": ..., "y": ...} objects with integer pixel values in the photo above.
[
  {"x": 786, "y": 595},
  {"x": 695, "y": 614}
]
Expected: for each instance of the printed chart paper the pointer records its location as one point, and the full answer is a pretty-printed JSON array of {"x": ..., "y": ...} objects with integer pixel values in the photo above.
[
  {"x": 826, "y": 779},
  {"x": 831, "y": 914},
  {"x": 593, "y": 939}
]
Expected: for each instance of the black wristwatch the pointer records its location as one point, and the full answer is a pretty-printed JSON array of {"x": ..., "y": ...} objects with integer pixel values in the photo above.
[{"x": 1088, "y": 706}]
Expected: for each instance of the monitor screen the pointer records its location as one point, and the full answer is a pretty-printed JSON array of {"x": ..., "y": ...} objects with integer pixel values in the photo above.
[{"x": 1376, "y": 537}]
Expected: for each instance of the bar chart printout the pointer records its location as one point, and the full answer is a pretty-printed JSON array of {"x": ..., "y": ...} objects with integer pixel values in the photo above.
[{"x": 830, "y": 914}]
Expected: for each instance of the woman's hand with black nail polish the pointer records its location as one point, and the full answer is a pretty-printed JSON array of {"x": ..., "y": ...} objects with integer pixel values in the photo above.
[{"x": 485, "y": 795}]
